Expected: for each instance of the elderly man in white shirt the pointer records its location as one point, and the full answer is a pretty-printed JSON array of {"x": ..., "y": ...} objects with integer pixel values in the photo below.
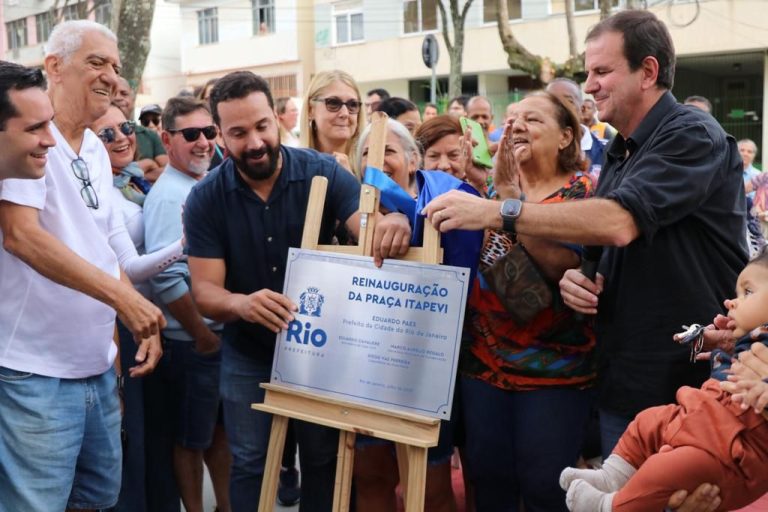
[{"x": 62, "y": 285}]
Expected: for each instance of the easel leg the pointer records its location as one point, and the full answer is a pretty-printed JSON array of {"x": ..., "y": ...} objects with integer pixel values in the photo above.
[
  {"x": 417, "y": 478},
  {"x": 342, "y": 492},
  {"x": 272, "y": 465},
  {"x": 402, "y": 465}
]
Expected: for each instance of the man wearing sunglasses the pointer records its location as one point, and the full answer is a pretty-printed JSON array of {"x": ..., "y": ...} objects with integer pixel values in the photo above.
[
  {"x": 184, "y": 392},
  {"x": 61, "y": 285},
  {"x": 240, "y": 221},
  {"x": 151, "y": 155},
  {"x": 25, "y": 117}
]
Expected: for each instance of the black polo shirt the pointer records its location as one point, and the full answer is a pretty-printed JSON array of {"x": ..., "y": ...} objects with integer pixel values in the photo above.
[
  {"x": 225, "y": 219},
  {"x": 680, "y": 176}
]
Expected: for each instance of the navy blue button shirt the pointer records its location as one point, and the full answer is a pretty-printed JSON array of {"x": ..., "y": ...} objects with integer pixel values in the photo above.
[
  {"x": 225, "y": 219},
  {"x": 679, "y": 175}
]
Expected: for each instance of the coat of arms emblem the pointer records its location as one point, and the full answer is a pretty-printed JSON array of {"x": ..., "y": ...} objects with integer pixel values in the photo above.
[{"x": 311, "y": 302}]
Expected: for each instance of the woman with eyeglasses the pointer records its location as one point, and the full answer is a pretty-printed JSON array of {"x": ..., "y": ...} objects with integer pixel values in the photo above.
[
  {"x": 127, "y": 198},
  {"x": 331, "y": 116},
  {"x": 130, "y": 188}
]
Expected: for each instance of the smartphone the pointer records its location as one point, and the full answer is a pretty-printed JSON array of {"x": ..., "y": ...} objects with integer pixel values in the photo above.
[{"x": 480, "y": 153}]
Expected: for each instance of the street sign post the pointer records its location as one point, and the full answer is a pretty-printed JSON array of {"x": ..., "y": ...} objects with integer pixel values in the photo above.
[{"x": 430, "y": 53}]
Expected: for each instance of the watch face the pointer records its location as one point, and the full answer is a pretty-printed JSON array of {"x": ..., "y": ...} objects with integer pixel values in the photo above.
[{"x": 511, "y": 208}]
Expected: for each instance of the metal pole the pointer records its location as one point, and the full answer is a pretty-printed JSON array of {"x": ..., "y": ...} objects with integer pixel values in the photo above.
[{"x": 433, "y": 92}]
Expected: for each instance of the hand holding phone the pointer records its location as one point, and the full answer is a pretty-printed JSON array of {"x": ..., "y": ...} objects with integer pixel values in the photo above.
[{"x": 480, "y": 153}]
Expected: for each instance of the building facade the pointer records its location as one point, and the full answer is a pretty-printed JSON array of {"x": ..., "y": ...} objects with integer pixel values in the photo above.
[
  {"x": 721, "y": 45},
  {"x": 272, "y": 38}
]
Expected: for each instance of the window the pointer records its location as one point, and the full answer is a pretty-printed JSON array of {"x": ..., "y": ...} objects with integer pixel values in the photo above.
[
  {"x": 283, "y": 85},
  {"x": 348, "y": 26},
  {"x": 103, "y": 12},
  {"x": 588, "y": 5},
  {"x": 71, "y": 12},
  {"x": 17, "y": 33},
  {"x": 419, "y": 15},
  {"x": 263, "y": 16},
  {"x": 490, "y": 8},
  {"x": 208, "y": 25},
  {"x": 44, "y": 24}
]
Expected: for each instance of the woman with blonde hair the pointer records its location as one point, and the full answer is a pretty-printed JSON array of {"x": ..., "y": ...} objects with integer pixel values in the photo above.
[{"x": 332, "y": 116}]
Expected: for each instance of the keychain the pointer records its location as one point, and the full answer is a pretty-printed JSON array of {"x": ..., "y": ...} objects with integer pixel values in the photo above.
[{"x": 693, "y": 335}]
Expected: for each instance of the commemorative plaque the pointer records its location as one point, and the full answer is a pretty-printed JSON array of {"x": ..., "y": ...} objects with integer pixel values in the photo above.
[{"x": 387, "y": 337}]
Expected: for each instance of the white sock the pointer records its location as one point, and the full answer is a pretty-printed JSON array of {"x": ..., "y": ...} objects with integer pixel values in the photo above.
[
  {"x": 582, "y": 497},
  {"x": 612, "y": 477}
]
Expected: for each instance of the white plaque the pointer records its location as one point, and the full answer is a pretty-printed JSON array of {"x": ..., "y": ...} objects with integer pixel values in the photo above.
[{"x": 387, "y": 337}]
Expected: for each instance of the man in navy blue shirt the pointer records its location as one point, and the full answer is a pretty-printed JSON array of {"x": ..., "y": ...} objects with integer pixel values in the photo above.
[
  {"x": 239, "y": 223},
  {"x": 670, "y": 213}
]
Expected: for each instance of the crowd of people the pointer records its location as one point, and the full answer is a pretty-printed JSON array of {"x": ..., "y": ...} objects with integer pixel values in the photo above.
[{"x": 143, "y": 264}]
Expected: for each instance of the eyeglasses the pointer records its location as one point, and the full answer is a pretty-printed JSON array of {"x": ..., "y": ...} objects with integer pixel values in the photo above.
[
  {"x": 334, "y": 104},
  {"x": 88, "y": 193},
  {"x": 108, "y": 135},
  {"x": 192, "y": 134}
]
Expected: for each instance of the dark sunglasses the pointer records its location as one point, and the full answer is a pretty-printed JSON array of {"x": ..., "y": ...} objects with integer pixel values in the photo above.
[
  {"x": 107, "y": 135},
  {"x": 192, "y": 134},
  {"x": 334, "y": 104},
  {"x": 146, "y": 120}
]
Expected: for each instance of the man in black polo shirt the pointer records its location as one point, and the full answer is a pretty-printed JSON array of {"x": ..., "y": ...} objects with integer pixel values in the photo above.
[
  {"x": 239, "y": 223},
  {"x": 670, "y": 213}
]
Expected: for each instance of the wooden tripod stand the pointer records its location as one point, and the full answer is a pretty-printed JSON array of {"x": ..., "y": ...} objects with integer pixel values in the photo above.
[{"x": 412, "y": 433}]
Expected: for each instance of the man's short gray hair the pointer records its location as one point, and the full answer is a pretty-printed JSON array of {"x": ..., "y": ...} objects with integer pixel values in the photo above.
[
  {"x": 748, "y": 141},
  {"x": 67, "y": 37}
]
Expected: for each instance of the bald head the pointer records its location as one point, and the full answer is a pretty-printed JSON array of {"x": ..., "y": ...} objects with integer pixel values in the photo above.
[
  {"x": 567, "y": 90},
  {"x": 479, "y": 109}
]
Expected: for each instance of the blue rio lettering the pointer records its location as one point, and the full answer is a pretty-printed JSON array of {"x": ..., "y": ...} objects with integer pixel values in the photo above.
[{"x": 318, "y": 337}]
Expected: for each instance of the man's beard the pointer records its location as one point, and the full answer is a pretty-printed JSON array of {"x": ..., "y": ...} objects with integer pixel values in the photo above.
[
  {"x": 199, "y": 168},
  {"x": 260, "y": 171}
]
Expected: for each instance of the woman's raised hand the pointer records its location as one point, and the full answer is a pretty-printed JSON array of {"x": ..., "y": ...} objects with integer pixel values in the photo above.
[{"x": 506, "y": 177}]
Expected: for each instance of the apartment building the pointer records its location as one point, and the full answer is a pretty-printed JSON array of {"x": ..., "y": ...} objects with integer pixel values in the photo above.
[
  {"x": 721, "y": 46},
  {"x": 26, "y": 24},
  {"x": 272, "y": 38}
]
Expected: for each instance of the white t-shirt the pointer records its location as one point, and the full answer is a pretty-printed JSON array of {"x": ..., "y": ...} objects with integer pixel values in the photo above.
[{"x": 46, "y": 328}]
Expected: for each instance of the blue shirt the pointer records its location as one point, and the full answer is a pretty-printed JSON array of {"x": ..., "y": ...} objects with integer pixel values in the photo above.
[
  {"x": 162, "y": 227},
  {"x": 225, "y": 219}
]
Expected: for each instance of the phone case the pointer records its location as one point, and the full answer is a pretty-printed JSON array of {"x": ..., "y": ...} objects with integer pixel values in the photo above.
[{"x": 480, "y": 153}]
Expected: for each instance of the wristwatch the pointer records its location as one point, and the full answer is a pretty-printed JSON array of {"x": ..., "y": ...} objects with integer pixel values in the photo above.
[{"x": 510, "y": 211}]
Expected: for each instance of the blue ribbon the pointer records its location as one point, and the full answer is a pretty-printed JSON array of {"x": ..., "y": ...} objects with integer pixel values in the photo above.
[
  {"x": 461, "y": 248},
  {"x": 393, "y": 197}
]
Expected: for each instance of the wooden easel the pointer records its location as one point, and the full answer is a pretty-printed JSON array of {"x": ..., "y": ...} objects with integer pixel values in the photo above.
[{"x": 413, "y": 433}]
